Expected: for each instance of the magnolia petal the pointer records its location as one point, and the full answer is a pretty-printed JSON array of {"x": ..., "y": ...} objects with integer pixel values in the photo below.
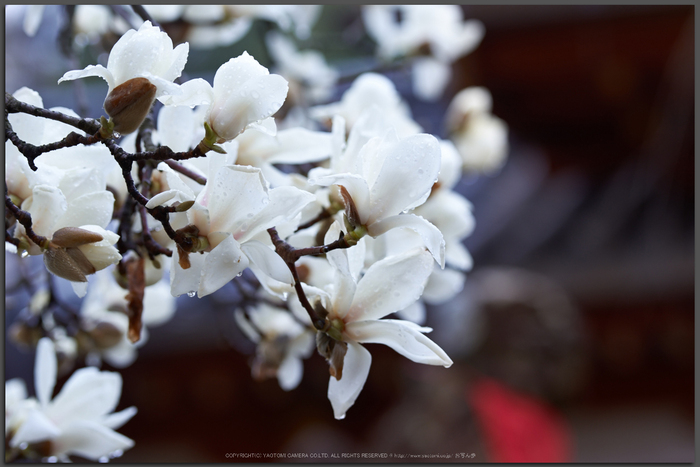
[
  {"x": 430, "y": 77},
  {"x": 223, "y": 264},
  {"x": 252, "y": 102},
  {"x": 356, "y": 186},
  {"x": 390, "y": 285},
  {"x": 45, "y": 370},
  {"x": 443, "y": 285},
  {"x": 90, "y": 70},
  {"x": 48, "y": 205},
  {"x": 266, "y": 126},
  {"x": 245, "y": 326},
  {"x": 285, "y": 202},
  {"x": 90, "y": 440},
  {"x": 415, "y": 312},
  {"x": 193, "y": 92},
  {"x": 89, "y": 394},
  {"x": 404, "y": 339},
  {"x": 117, "y": 419},
  {"x": 268, "y": 261},
  {"x": 235, "y": 195},
  {"x": 186, "y": 280},
  {"x": 343, "y": 393},
  {"x": 431, "y": 235},
  {"x": 290, "y": 372},
  {"x": 93, "y": 208},
  {"x": 80, "y": 288},
  {"x": 300, "y": 146},
  {"x": 35, "y": 427},
  {"x": 457, "y": 255},
  {"x": 409, "y": 170}
]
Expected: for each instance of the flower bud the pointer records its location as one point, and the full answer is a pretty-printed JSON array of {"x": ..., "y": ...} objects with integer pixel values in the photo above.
[
  {"x": 68, "y": 263},
  {"x": 129, "y": 103},
  {"x": 106, "y": 335}
]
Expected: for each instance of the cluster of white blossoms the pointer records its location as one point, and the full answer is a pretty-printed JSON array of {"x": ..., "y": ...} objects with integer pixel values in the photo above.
[{"x": 348, "y": 246}]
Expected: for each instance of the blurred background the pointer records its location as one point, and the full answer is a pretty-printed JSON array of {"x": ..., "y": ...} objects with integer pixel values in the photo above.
[{"x": 573, "y": 339}]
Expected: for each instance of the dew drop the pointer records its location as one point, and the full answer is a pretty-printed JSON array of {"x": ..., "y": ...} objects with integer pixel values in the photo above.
[
  {"x": 24, "y": 254},
  {"x": 23, "y": 446},
  {"x": 52, "y": 459},
  {"x": 117, "y": 453},
  {"x": 191, "y": 293},
  {"x": 255, "y": 95},
  {"x": 103, "y": 459}
]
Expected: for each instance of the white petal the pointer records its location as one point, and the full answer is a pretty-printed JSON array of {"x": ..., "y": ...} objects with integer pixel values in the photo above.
[
  {"x": 343, "y": 393},
  {"x": 245, "y": 326},
  {"x": 36, "y": 427},
  {"x": 403, "y": 338},
  {"x": 300, "y": 146},
  {"x": 48, "y": 205},
  {"x": 431, "y": 235},
  {"x": 266, "y": 126},
  {"x": 15, "y": 391},
  {"x": 235, "y": 195},
  {"x": 186, "y": 280},
  {"x": 90, "y": 70},
  {"x": 443, "y": 285},
  {"x": 415, "y": 312},
  {"x": 193, "y": 92},
  {"x": 32, "y": 19},
  {"x": 356, "y": 186},
  {"x": 222, "y": 264},
  {"x": 268, "y": 261},
  {"x": 117, "y": 419},
  {"x": 45, "y": 370},
  {"x": 290, "y": 372},
  {"x": 409, "y": 171},
  {"x": 80, "y": 288},
  {"x": 88, "y": 394},
  {"x": 284, "y": 204},
  {"x": 90, "y": 440},
  {"x": 430, "y": 77},
  {"x": 390, "y": 285}
]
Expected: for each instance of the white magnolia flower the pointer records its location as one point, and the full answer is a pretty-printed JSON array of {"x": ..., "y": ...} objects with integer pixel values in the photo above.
[
  {"x": 232, "y": 214},
  {"x": 141, "y": 67},
  {"x": 384, "y": 177},
  {"x": 440, "y": 28},
  {"x": 146, "y": 53},
  {"x": 244, "y": 93},
  {"x": 355, "y": 308},
  {"x": 79, "y": 420},
  {"x": 480, "y": 137},
  {"x": 371, "y": 89},
  {"x": 282, "y": 342},
  {"x": 298, "y": 18}
]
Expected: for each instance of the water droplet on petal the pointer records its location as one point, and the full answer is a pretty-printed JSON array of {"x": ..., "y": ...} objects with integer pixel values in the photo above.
[
  {"x": 103, "y": 459},
  {"x": 24, "y": 254},
  {"x": 52, "y": 459},
  {"x": 117, "y": 453},
  {"x": 191, "y": 293},
  {"x": 23, "y": 446}
]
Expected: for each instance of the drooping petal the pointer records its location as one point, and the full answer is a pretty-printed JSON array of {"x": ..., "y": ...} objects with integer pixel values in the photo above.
[
  {"x": 186, "y": 280},
  {"x": 390, "y": 285},
  {"x": 90, "y": 70},
  {"x": 405, "y": 339},
  {"x": 87, "y": 395},
  {"x": 117, "y": 419},
  {"x": 35, "y": 427},
  {"x": 268, "y": 261},
  {"x": 45, "y": 370},
  {"x": 290, "y": 372},
  {"x": 431, "y": 235},
  {"x": 222, "y": 264},
  {"x": 443, "y": 285},
  {"x": 343, "y": 393},
  {"x": 90, "y": 440}
]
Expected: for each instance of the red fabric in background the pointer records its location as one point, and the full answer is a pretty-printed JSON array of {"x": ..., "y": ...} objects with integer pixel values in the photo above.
[{"x": 517, "y": 427}]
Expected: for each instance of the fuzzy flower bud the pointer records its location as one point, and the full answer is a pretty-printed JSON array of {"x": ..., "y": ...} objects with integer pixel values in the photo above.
[{"x": 129, "y": 103}]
